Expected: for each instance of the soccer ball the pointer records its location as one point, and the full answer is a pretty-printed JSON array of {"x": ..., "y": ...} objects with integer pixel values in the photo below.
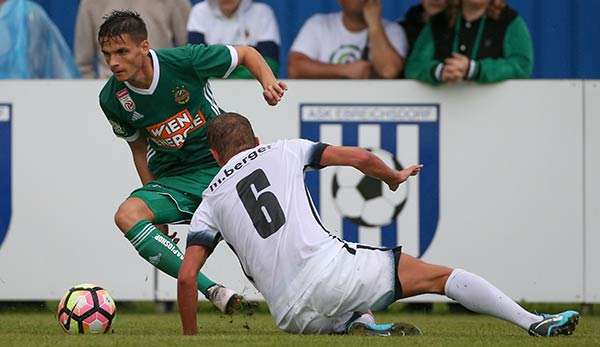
[
  {"x": 365, "y": 200},
  {"x": 86, "y": 308}
]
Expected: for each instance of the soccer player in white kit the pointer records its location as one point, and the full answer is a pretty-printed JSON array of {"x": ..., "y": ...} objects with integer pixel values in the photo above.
[{"x": 312, "y": 281}]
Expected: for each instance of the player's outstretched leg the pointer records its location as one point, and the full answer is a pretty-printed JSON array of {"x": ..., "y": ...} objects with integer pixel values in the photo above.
[
  {"x": 133, "y": 218},
  {"x": 478, "y": 295}
]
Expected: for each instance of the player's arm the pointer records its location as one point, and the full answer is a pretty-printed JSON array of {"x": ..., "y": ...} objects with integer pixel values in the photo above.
[
  {"x": 202, "y": 239},
  {"x": 139, "y": 151},
  {"x": 137, "y": 143},
  {"x": 368, "y": 163},
  {"x": 273, "y": 90},
  {"x": 187, "y": 287}
]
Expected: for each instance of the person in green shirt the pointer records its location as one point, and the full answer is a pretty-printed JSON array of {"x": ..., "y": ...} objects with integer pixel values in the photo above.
[
  {"x": 477, "y": 40},
  {"x": 160, "y": 102}
]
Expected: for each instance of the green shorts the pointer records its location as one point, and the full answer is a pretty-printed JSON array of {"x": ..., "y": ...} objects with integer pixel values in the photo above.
[{"x": 174, "y": 199}]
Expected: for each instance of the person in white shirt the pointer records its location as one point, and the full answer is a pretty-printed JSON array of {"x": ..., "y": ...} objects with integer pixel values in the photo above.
[
  {"x": 236, "y": 22},
  {"x": 312, "y": 281},
  {"x": 356, "y": 43}
]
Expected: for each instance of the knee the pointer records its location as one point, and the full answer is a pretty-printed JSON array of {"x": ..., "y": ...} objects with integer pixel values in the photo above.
[
  {"x": 423, "y": 278},
  {"x": 122, "y": 217},
  {"x": 439, "y": 282},
  {"x": 186, "y": 278},
  {"x": 130, "y": 212}
]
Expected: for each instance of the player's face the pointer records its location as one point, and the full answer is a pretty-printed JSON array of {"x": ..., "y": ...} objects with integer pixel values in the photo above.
[{"x": 124, "y": 56}]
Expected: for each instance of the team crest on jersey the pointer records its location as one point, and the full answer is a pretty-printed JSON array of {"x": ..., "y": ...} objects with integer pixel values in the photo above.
[
  {"x": 182, "y": 96},
  {"x": 126, "y": 100},
  {"x": 5, "y": 169},
  {"x": 365, "y": 210}
]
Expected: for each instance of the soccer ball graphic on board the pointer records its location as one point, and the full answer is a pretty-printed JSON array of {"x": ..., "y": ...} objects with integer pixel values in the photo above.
[
  {"x": 86, "y": 309},
  {"x": 367, "y": 201}
]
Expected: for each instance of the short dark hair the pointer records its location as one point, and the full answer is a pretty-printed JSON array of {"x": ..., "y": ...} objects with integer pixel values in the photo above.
[
  {"x": 229, "y": 134},
  {"x": 121, "y": 22}
]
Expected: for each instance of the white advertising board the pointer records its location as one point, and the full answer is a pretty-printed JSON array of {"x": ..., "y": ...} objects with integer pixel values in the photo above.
[
  {"x": 497, "y": 198},
  {"x": 69, "y": 175}
]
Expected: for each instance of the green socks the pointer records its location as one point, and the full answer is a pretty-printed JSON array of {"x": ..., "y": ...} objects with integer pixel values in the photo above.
[{"x": 158, "y": 250}]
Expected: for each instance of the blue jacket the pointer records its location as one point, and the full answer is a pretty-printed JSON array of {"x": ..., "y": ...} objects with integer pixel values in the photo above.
[{"x": 31, "y": 46}]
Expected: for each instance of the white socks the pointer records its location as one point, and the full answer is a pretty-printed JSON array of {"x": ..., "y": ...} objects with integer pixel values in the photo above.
[
  {"x": 342, "y": 323},
  {"x": 478, "y": 295},
  {"x": 366, "y": 318}
]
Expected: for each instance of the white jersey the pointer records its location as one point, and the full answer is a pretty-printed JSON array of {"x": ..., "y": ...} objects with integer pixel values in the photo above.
[
  {"x": 325, "y": 38},
  {"x": 259, "y": 205}
]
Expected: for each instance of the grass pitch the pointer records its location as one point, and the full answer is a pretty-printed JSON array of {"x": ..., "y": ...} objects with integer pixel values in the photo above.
[{"x": 152, "y": 329}]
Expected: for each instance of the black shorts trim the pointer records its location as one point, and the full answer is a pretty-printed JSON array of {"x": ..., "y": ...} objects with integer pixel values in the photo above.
[
  {"x": 373, "y": 248},
  {"x": 397, "y": 251}
]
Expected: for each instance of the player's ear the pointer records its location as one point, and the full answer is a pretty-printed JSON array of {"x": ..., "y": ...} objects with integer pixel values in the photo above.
[
  {"x": 216, "y": 156},
  {"x": 145, "y": 45}
]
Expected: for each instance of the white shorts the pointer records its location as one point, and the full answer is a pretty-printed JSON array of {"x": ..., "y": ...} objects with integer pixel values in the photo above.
[{"x": 357, "y": 282}]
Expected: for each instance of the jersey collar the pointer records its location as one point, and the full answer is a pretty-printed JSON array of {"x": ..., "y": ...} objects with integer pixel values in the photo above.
[{"x": 155, "y": 77}]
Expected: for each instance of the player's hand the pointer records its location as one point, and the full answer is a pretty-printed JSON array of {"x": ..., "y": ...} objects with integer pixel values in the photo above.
[
  {"x": 403, "y": 175},
  {"x": 164, "y": 228},
  {"x": 273, "y": 92},
  {"x": 372, "y": 12},
  {"x": 360, "y": 69}
]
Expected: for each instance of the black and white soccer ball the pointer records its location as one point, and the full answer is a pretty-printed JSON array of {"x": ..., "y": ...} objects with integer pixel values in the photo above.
[{"x": 367, "y": 201}]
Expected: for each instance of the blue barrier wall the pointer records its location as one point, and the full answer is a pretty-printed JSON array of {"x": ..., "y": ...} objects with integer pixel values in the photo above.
[{"x": 566, "y": 33}]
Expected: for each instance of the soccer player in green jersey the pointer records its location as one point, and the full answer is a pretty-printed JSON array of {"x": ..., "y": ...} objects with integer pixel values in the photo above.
[{"x": 160, "y": 102}]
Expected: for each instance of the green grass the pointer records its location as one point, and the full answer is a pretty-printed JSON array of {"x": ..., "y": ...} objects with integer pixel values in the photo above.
[{"x": 151, "y": 329}]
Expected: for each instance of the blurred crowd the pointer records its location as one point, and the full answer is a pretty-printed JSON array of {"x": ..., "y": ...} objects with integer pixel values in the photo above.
[{"x": 436, "y": 41}]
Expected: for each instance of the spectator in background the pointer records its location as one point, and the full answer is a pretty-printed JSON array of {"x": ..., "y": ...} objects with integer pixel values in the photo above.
[
  {"x": 31, "y": 46},
  {"x": 166, "y": 28},
  {"x": 417, "y": 17},
  {"x": 355, "y": 43},
  {"x": 237, "y": 22},
  {"x": 479, "y": 40}
]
